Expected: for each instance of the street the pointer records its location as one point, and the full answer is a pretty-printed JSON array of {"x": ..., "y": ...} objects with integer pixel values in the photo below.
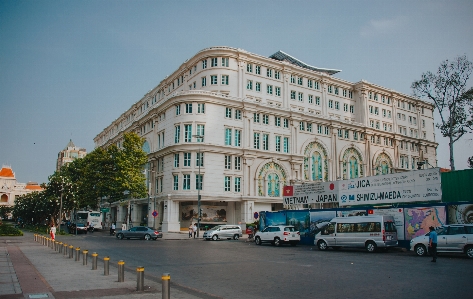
[{"x": 236, "y": 269}]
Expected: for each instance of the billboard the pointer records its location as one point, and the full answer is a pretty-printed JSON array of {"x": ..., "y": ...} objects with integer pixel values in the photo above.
[{"x": 411, "y": 186}]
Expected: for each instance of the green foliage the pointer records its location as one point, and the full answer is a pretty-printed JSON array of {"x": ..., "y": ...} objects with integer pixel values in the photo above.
[
  {"x": 9, "y": 230},
  {"x": 4, "y": 211}
]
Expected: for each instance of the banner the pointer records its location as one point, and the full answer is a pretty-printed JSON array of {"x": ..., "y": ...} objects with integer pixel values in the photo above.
[{"x": 314, "y": 192}]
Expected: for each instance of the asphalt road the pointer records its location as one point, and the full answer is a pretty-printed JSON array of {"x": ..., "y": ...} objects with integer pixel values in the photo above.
[{"x": 236, "y": 269}]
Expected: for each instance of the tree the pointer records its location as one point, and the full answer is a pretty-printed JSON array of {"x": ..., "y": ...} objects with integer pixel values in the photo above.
[{"x": 447, "y": 90}]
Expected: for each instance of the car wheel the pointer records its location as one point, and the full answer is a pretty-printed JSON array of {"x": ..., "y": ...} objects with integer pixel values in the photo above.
[
  {"x": 147, "y": 237},
  {"x": 258, "y": 241},
  {"x": 215, "y": 237},
  {"x": 277, "y": 241},
  {"x": 322, "y": 245},
  {"x": 370, "y": 247},
  {"x": 236, "y": 237},
  {"x": 469, "y": 251},
  {"x": 420, "y": 250},
  {"x": 120, "y": 236}
]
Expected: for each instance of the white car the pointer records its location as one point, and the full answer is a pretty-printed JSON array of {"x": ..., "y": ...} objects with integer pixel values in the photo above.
[
  {"x": 450, "y": 238},
  {"x": 277, "y": 235}
]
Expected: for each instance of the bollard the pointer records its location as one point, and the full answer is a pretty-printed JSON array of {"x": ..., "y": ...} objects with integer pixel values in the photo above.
[
  {"x": 35, "y": 237},
  {"x": 84, "y": 257},
  {"x": 55, "y": 245},
  {"x": 121, "y": 271},
  {"x": 71, "y": 251},
  {"x": 42, "y": 240},
  {"x": 77, "y": 254},
  {"x": 48, "y": 242},
  {"x": 166, "y": 278},
  {"x": 65, "y": 249},
  {"x": 94, "y": 260},
  {"x": 140, "y": 278},
  {"x": 60, "y": 247},
  {"x": 106, "y": 261}
]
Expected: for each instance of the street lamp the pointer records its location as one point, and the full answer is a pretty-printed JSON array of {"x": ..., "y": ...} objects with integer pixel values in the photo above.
[
  {"x": 200, "y": 138},
  {"x": 150, "y": 172},
  {"x": 125, "y": 193}
]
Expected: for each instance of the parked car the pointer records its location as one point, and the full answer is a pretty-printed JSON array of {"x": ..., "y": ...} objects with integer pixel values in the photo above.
[
  {"x": 139, "y": 232},
  {"x": 277, "y": 235},
  {"x": 80, "y": 227},
  {"x": 451, "y": 238},
  {"x": 223, "y": 232},
  {"x": 368, "y": 232}
]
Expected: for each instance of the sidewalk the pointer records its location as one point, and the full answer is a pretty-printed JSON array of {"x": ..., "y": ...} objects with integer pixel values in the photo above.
[{"x": 29, "y": 269}]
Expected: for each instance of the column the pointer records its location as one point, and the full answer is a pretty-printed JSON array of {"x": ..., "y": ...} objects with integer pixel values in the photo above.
[{"x": 171, "y": 215}]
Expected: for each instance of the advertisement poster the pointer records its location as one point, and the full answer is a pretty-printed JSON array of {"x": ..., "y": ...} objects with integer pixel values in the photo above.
[
  {"x": 460, "y": 214},
  {"x": 300, "y": 220},
  {"x": 418, "y": 220},
  {"x": 209, "y": 213},
  {"x": 398, "y": 214},
  {"x": 318, "y": 219}
]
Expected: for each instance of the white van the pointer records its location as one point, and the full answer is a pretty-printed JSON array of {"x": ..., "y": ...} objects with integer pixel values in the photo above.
[{"x": 369, "y": 232}]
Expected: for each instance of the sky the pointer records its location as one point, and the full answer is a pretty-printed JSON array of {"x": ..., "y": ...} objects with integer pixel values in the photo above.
[{"x": 70, "y": 68}]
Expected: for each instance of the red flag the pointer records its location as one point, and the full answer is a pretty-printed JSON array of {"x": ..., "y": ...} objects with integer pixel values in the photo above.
[{"x": 288, "y": 191}]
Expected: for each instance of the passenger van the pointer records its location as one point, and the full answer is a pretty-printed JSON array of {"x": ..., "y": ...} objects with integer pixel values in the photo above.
[
  {"x": 370, "y": 232},
  {"x": 223, "y": 232}
]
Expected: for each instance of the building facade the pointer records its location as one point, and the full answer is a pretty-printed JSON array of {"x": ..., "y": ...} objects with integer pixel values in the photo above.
[
  {"x": 69, "y": 154},
  {"x": 240, "y": 126}
]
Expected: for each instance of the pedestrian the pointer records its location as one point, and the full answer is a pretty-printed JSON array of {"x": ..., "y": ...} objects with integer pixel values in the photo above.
[
  {"x": 52, "y": 232},
  {"x": 433, "y": 244},
  {"x": 112, "y": 228},
  {"x": 194, "y": 229}
]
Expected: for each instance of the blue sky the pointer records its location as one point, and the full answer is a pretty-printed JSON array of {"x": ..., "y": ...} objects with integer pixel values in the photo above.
[{"x": 69, "y": 68}]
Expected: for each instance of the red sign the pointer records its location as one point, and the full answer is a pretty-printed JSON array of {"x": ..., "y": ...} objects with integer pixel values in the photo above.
[
  {"x": 288, "y": 191},
  {"x": 154, "y": 213}
]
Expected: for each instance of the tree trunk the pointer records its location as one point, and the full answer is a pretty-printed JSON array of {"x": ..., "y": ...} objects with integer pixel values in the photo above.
[{"x": 452, "y": 161}]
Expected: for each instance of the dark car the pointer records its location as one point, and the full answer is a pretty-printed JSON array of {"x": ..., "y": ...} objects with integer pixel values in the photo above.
[
  {"x": 80, "y": 227},
  {"x": 140, "y": 232}
]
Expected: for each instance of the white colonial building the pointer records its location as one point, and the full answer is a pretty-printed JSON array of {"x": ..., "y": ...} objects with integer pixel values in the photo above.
[
  {"x": 69, "y": 154},
  {"x": 260, "y": 123}
]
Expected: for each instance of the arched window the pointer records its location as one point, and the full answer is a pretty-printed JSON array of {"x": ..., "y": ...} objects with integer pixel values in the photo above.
[
  {"x": 353, "y": 168},
  {"x": 383, "y": 164},
  {"x": 316, "y": 166},
  {"x": 352, "y": 164},
  {"x": 315, "y": 162},
  {"x": 273, "y": 185}
]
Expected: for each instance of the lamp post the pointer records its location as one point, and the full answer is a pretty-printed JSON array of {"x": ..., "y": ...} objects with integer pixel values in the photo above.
[
  {"x": 60, "y": 207},
  {"x": 126, "y": 192},
  {"x": 199, "y": 213},
  {"x": 150, "y": 172}
]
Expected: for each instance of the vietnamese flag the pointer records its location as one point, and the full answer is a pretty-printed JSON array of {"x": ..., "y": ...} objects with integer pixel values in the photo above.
[{"x": 288, "y": 190}]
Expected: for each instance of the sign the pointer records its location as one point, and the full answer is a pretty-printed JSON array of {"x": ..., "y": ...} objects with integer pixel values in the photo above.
[
  {"x": 154, "y": 213},
  {"x": 104, "y": 210},
  {"x": 410, "y": 186}
]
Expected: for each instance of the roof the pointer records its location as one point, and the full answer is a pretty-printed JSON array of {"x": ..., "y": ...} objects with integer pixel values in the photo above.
[
  {"x": 33, "y": 186},
  {"x": 281, "y": 56},
  {"x": 7, "y": 172}
]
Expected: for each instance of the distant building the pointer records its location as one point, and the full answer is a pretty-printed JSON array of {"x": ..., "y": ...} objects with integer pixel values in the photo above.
[
  {"x": 69, "y": 154},
  {"x": 10, "y": 188}
]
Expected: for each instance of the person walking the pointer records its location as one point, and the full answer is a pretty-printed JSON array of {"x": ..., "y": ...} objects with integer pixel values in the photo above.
[
  {"x": 433, "y": 244},
  {"x": 52, "y": 232},
  {"x": 112, "y": 228},
  {"x": 194, "y": 229},
  {"x": 191, "y": 230}
]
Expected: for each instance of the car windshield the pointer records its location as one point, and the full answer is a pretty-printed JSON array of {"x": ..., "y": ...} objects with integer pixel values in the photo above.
[{"x": 80, "y": 225}]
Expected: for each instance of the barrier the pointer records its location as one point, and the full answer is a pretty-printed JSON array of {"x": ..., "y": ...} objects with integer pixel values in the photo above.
[
  {"x": 94, "y": 261},
  {"x": 166, "y": 280},
  {"x": 121, "y": 271},
  {"x": 106, "y": 262},
  {"x": 140, "y": 278},
  {"x": 77, "y": 254},
  {"x": 65, "y": 249},
  {"x": 60, "y": 247},
  {"x": 84, "y": 257},
  {"x": 71, "y": 251}
]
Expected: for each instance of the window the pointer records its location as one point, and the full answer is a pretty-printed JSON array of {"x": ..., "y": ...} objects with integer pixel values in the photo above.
[
  {"x": 177, "y": 134},
  {"x": 237, "y": 137},
  {"x": 352, "y": 109},
  {"x": 269, "y": 73},
  {"x": 249, "y": 84},
  {"x": 237, "y": 114},
  {"x": 228, "y": 162},
  {"x": 200, "y": 132},
  {"x": 278, "y": 91},
  {"x": 329, "y": 89},
  {"x": 371, "y": 123},
  {"x": 237, "y": 184},
  {"x": 327, "y": 130},
  {"x": 201, "y": 108},
  {"x": 228, "y": 112},
  {"x": 256, "y": 117},
  {"x": 293, "y": 95},
  {"x": 213, "y": 62},
  {"x": 340, "y": 133},
  {"x": 204, "y": 81},
  {"x": 277, "y": 75},
  {"x": 265, "y": 119},
  {"x": 224, "y": 61},
  {"x": 345, "y": 107},
  {"x": 377, "y": 125},
  {"x": 311, "y": 99},
  {"x": 317, "y": 101},
  {"x": 330, "y": 104},
  {"x": 228, "y": 136},
  {"x": 188, "y": 108},
  {"x": 176, "y": 160},
  {"x": 227, "y": 183},
  {"x": 355, "y": 135},
  {"x": 178, "y": 109},
  {"x": 199, "y": 159},
  {"x": 347, "y": 134},
  {"x": 286, "y": 123},
  {"x": 384, "y": 112},
  {"x": 299, "y": 80},
  {"x": 199, "y": 178},
  {"x": 204, "y": 64},
  {"x": 309, "y": 127},
  {"x": 293, "y": 79},
  {"x": 258, "y": 86},
  {"x": 376, "y": 110},
  {"x": 344, "y": 92},
  {"x": 187, "y": 159},
  {"x": 277, "y": 121},
  {"x": 249, "y": 68},
  {"x": 389, "y": 113},
  {"x": 186, "y": 182},
  {"x": 300, "y": 96},
  {"x": 316, "y": 85},
  {"x": 258, "y": 70},
  {"x": 319, "y": 129},
  {"x": 214, "y": 80},
  {"x": 265, "y": 142},
  {"x": 256, "y": 137},
  {"x": 337, "y": 105},
  {"x": 336, "y": 90},
  {"x": 278, "y": 143},
  {"x": 286, "y": 144},
  {"x": 269, "y": 89},
  {"x": 301, "y": 126},
  {"x": 309, "y": 83},
  {"x": 237, "y": 163},
  {"x": 423, "y": 123},
  {"x": 224, "y": 79},
  {"x": 175, "y": 184},
  {"x": 187, "y": 133}
]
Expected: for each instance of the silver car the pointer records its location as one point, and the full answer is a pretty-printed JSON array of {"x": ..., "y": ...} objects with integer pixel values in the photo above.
[
  {"x": 223, "y": 232},
  {"x": 139, "y": 232},
  {"x": 450, "y": 238}
]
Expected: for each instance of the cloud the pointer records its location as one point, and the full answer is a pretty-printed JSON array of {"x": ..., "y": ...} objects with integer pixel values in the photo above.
[{"x": 382, "y": 27}]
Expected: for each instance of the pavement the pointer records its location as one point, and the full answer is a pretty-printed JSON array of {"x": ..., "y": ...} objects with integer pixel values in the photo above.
[{"x": 29, "y": 269}]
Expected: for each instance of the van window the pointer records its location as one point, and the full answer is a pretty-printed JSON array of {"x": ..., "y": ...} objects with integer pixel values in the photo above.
[
  {"x": 328, "y": 229},
  {"x": 390, "y": 227},
  {"x": 469, "y": 229},
  {"x": 359, "y": 227}
]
